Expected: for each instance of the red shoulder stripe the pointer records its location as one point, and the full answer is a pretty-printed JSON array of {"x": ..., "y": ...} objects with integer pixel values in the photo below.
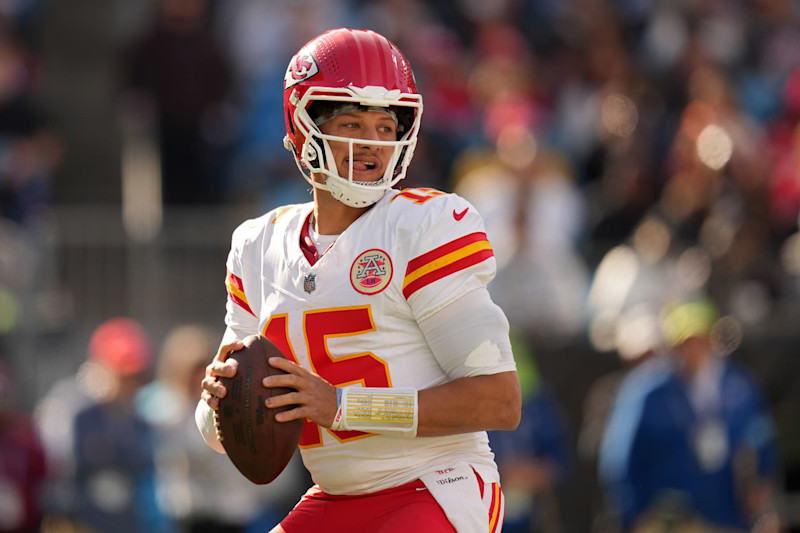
[
  {"x": 235, "y": 289},
  {"x": 447, "y": 259}
]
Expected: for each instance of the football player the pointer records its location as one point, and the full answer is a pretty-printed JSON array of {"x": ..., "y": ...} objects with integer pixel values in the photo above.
[{"x": 378, "y": 298}]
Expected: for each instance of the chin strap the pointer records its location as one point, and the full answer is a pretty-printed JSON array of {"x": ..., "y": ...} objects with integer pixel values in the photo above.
[
  {"x": 351, "y": 196},
  {"x": 385, "y": 410}
]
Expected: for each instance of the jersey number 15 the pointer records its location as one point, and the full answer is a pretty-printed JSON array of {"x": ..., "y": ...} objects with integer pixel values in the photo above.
[{"x": 364, "y": 368}]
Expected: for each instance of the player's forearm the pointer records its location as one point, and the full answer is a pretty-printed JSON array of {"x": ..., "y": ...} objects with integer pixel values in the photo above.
[
  {"x": 479, "y": 403},
  {"x": 464, "y": 405}
]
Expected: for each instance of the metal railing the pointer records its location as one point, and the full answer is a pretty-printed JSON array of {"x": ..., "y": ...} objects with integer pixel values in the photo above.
[{"x": 176, "y": 276}]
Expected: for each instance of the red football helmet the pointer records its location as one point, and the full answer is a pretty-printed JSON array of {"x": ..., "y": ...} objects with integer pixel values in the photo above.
[{"x": 363, "y": 69}]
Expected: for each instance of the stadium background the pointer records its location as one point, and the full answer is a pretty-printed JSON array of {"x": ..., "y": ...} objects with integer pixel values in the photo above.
[{"x": 154, "y": 145}]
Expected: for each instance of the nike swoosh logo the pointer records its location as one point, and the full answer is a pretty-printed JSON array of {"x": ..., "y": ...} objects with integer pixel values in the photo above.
[{"x": 459, "y": 216}]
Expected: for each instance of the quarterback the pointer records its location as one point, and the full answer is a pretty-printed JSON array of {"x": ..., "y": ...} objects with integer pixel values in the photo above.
[{"x": 400, "y": 360}]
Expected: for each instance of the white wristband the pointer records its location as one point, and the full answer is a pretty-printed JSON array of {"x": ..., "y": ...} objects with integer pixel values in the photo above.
[{"x": 377, "y": 410}]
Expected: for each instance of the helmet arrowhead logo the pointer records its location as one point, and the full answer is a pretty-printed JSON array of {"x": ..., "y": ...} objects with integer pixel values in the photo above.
[{"x": 302, "y": 67}]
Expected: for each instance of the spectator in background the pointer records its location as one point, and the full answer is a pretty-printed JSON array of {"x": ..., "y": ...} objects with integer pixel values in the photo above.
[
  {"x": 525, "y": 187},
  {"x": 201, "y": 490},
  {"x": 100, "y": 451},
  {"x": 689, "y": 442},
  {"x": 535, "y": 458},
  {"x": 257, "y": 35},
  {"x": 114, "y": 447},
  {"x": 23, "y": 14},
  {"x": 535, "y": 217},
  {"x": 29, "y": 151},
  {"x": 783, "y": 142},
  {"x": 22, "y": 464},
  {"x": 180, "y": 72},
  {"x": 638, "y": 338}
]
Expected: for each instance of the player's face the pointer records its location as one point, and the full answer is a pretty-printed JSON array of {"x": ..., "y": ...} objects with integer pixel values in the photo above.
[{"x": 369, "y": 160}]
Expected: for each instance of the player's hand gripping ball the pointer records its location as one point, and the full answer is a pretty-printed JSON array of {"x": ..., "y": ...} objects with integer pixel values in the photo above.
[{"x": 258, "y": 446}]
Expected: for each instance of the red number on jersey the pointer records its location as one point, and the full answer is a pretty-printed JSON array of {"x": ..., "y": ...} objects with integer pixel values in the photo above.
[
  {"x": 365, "y": 368},
  {"x": 419, "y": 195}
]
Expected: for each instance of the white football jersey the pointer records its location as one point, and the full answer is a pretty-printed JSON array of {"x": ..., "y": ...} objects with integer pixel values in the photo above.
[{"x": 352, "y": 318}]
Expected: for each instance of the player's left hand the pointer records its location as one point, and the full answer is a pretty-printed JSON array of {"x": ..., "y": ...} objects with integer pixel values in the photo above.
[
  {"x": 315, "y": 398},
  {"x": 220, "y": 367}
]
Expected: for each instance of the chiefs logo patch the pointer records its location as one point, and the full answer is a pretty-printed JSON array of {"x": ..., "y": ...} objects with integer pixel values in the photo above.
[
  {"x": 371, "y": 272},
  {"x": 302, "y": 67}
]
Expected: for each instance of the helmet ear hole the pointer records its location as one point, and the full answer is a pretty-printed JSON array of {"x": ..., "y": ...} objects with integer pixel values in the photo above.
[
  {"x": 289, "y": 122},
  {"x": 311, "y": 154}
]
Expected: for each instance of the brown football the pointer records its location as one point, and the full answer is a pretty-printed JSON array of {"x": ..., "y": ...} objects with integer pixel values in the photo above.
[{"x": 258, "y": 445}]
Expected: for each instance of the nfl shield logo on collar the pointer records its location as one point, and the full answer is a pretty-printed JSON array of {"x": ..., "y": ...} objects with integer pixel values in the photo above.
[{"x": 310, "y": 283}]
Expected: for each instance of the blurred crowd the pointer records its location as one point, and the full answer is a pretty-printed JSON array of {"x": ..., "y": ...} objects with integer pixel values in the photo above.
[
  {"x": 114, "y": 446},
  {"x": 630, "y": 158}
]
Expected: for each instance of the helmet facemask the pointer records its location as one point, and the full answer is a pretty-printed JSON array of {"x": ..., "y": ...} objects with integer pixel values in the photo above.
[{"x": 315, "y": 156}]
